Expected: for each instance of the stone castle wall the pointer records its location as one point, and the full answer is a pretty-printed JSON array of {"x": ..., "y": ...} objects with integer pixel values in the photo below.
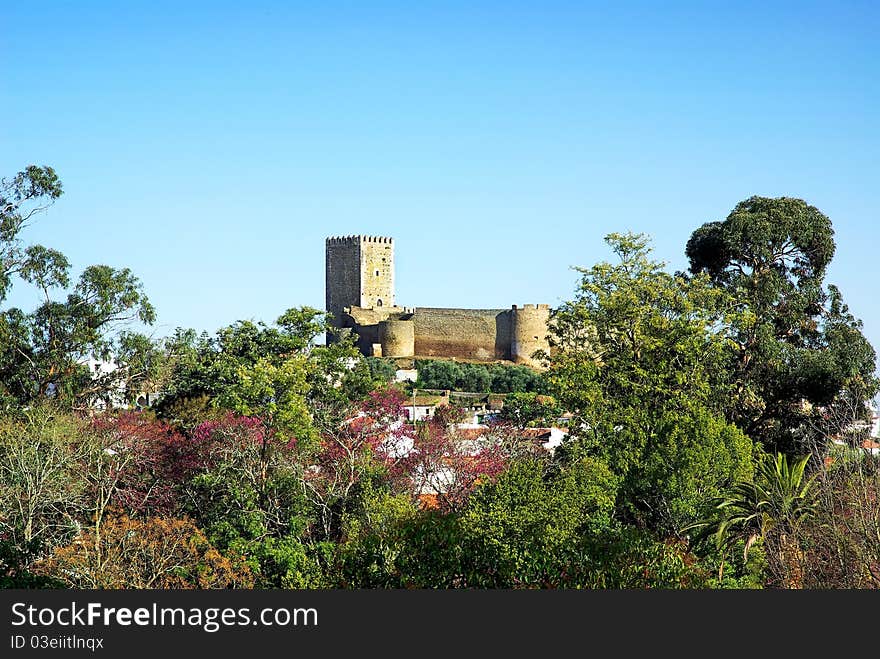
[
  {"x": 360, "y": 297},
  {"x": 482, "y": 334},
  {"x": 397, "y": 337}
]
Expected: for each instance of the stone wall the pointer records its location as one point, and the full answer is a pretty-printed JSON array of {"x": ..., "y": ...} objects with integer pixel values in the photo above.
[
  {"x": 397, "y": 338},
  {"x": 481, "y": 334}
]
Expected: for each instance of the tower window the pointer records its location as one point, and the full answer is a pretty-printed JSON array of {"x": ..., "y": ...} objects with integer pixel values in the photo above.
[
  {"x": 379, "y": 302},
  {"x": 377, "y": 273}
]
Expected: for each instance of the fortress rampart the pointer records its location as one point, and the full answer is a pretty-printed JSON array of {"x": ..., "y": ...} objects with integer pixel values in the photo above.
[{"x": 360, "y": 298}]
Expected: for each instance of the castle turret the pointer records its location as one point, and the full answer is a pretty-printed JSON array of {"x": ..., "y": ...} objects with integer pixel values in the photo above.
[
  {"x": 529, "y": 333},
  {"x": 397, "y": 338}
]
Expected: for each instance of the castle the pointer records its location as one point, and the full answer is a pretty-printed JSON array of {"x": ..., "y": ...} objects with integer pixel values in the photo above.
[{"x": 360, "y": 299}]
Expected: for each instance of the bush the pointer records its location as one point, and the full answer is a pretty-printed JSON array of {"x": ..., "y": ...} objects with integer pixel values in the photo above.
[{"x": 481, "y": 378}]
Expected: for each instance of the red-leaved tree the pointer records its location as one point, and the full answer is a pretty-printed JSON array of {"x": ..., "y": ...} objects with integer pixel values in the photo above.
[
  {"x": 373, "y": 437},
  {"x": 141, "y": 464},
  {"x": 447, "y": 463}
]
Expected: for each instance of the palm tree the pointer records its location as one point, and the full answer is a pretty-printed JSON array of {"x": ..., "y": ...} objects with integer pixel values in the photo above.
[{"x": 770, "y": 508}]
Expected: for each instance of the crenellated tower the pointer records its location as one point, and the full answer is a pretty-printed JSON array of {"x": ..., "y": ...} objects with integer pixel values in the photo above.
[
  {"x": 360, "y": 273},
  {"x": 529, "y": 332}
]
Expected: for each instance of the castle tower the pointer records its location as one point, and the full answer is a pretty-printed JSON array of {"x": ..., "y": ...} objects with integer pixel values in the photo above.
[
  {"x": 529, "y": 332},
  {"x": 360, "y": 273},
  {"x": 397, "y": 337}
]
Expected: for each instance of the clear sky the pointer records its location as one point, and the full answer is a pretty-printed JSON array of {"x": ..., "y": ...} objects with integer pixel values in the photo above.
[{"x": 212, "y": 146}]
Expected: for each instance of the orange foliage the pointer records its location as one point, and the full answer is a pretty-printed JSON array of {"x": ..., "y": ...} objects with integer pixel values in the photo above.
[{"x": 161, "y": 553}]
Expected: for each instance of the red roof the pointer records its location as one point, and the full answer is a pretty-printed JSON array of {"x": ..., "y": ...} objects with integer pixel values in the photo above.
[{"x": 472, "y": 433}]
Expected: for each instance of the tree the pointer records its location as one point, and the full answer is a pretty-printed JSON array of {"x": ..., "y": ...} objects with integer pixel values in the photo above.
[
  {"x": 150, "y": 463},
  {"x": 770, "y": 508},
  {"x": 382, "y": 369},
  {"x": 276, "y": 394},
  {"x": 528, "y": 409},
  {"x": 206, "y": 365},
  {"x": 494, "y": 378},
  {"x": 251, "y": 366},
  {"x": 156, "y": 553},
  {"x": 518, "y": 530},
  {"x": 352, "y": 455},
  {"x": 41, "y": 495},
  {"x": 796, "y": 351},
  {"x": 640, "y": 362},
  {"x": 42, "y": 352},
  {"x": 840, "y": 543},
  {"x": 29, "y": 192},
  {"x": 438, "y": 374},
  {"x": 251, "y": 502}
]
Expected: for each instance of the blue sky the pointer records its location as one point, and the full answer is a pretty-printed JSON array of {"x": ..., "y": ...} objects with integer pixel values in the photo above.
[{"x": 211, "y": 147}]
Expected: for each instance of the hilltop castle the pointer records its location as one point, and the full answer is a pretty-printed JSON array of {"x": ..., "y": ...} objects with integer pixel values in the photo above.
[{"x": 360, "y": 299}]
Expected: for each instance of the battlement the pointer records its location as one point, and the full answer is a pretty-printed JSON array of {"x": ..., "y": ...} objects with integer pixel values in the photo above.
[
  {"x": 536, "y": 307},
  {"x": 353, "y": 240}
]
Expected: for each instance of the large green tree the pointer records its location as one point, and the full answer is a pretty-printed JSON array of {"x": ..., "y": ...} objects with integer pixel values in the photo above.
[
  {"x": 796, "y": 350},
  {"x": 42, "y": 352},
  {"x": 640, "y": 362}
]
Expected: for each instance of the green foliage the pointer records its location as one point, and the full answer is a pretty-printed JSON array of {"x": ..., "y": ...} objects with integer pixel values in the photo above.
[
  {"x": 481, "y": 378},
  {"x": 250, "y": 502},
  {"x": 517, "y": 530},
  {"x": 792, "y": 340},
  {"x": 637, "y": 336},
  {"x": 24, "y": 195},
  {"x": 338, "y": 376},
  {"x": 530, "y": 409},
  {"x": 274, "y": 371},
  {"x": 381, "y": 369},
  {"x": 687, "y": 462},
  {"x": 535, "y": 527},
  {"x": 280, "y": 562},
  {"x": 205, "y": 365},
  {"x": 41, "y": 352},
  {"x": 628, "y": 558},
  {"x": 186, "y": 414},
  {"x": 275, "y": 394},
  {"x": 641, "y": 364},
  {"x": 779, "y": 498},
  {"x": 375, "y": 550},
  {"x": 15, "y": 560},
  {"x": 767, "y": 511}
]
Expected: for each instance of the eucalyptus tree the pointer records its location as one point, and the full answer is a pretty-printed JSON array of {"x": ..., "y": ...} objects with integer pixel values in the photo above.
[
  {"x": 796, "y": 350},
  {"x": 42, "y": 351}
]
